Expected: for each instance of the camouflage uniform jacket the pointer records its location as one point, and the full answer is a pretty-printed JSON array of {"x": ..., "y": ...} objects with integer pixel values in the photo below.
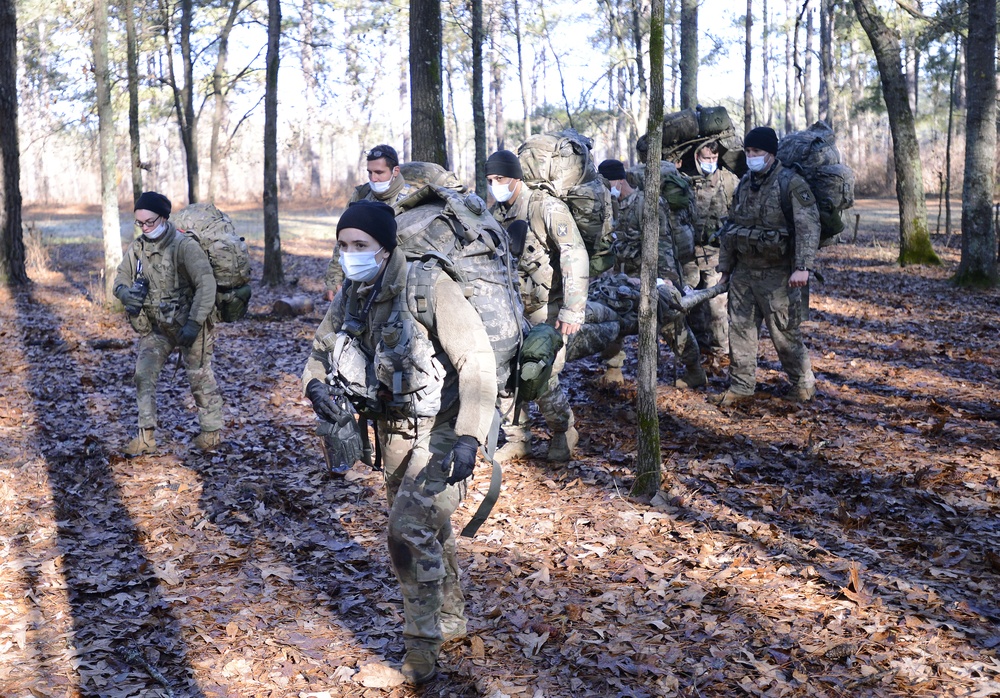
[
  {"x": 627, "y": 246},
  {"x": 181, "y": 282},
  {"x": 555, "y": 265},
  {"x": 458, "y": 341},
  {"x": 757, "y": 234},
  {"x": 712, "y": 196},
  {"x": 398, "y": 190}
]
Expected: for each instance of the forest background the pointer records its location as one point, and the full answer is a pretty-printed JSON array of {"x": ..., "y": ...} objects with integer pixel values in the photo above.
[{"x": 345, "y": 85}]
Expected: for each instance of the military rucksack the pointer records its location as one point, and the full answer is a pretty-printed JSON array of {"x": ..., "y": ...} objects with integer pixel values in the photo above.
[
  {"x": 813, "y": 154},
  {"x": 537, "y": 357},
  {"x": 227, "y": 252},
  {"x": 441, "y": 227},
  {"x": 561, "y": 164}
]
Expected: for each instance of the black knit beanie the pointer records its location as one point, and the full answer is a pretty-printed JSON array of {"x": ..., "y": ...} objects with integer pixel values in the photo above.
[
  {"x": 152, "y": 201},
  {"x": 763, "y": 138},
  {"x": 612, "y": 170},
  {"x": 374, "y": 218},
  {"x": 505, "y": 164},
  {"x": 387, "y": 152}
]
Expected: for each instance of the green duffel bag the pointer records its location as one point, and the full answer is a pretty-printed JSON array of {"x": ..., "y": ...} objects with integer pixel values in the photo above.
[{"x": 534, "y": 363}]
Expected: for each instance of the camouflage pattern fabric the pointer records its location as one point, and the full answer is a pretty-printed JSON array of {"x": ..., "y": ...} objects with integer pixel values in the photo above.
[
  {"x": 154, "y": 350},
  {"x": 214, "y": 230},
  {"x": 627, "y": 246},
  {"x": 763, "y": 295},
  {"x": 554, "y": 268},
  {"x": 421, "y": 538},
  {"x": 758, "y": 252},
  {"x": 601, "y": 330}
]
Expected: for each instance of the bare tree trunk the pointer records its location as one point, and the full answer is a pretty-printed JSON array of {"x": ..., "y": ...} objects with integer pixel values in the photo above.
[
  {"x": 674, "y": 62},
  {"x": 132, "y": 73},
  {"x": 426, "y": 98},
  {"x": 639, "y": 64},
  {"x": 789, "y": 67},
  {"x": 555, "y": 56},
  {"x": 689, "y": 54},
  {"x": 12, "y": 267},
  {"x": 309, "y": 75},
  {"x": 948, "y": 140},
  {"x": 478, "y": 112},
  {"x": 765, "y": 40},
  {"x": 219, "y": 95},
  {"x": 106, "y": 134},
  {"x": 979, "y": 240},
  {"x": 522, "y": 74},
  {"x": 273, "y": 272},
  {"x": 914, "y": 237},
  {"x": 404, "y": 100},
  {"x": 647, "y": 478},
  {"x": 747, "y": 60},
  {"x": 189, "y": 124},
  {"x": 807, "y": 87},
  {"x": 826, "y": 77},
  {"x": 496, "y": 79},
  {"x": 450, "y": 116}
]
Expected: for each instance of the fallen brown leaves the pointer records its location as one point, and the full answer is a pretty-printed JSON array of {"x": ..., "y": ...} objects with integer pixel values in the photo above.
[{"x": 842, "y": 548}]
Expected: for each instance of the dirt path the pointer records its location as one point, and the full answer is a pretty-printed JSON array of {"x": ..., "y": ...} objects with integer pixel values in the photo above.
[{"x": 844, "y": 548}]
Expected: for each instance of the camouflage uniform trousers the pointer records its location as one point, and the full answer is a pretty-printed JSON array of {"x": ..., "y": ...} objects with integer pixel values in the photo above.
[
  {"x": 757, "y": 295},
  {"x": 602, "y": 329},
  {"x": 420, "y": 536},
  {"x": 709, "y": 321},
  {"x": 154, "y": 350}
]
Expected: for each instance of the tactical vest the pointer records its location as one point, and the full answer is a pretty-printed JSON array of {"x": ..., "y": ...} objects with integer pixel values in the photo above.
[
  {"x": 402, "y": 376},
  {"x": 169, "y": 300}
]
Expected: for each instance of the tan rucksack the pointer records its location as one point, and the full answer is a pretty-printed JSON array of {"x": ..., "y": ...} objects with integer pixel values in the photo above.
[
  {"x": 227, "y": 252},
  {"x": 561, "y": 164}
]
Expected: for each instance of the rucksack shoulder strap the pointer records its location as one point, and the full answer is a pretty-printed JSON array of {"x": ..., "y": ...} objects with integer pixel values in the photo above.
[
  {"x": 784, "y": 180},
  {"x": 421, "y": 278}
]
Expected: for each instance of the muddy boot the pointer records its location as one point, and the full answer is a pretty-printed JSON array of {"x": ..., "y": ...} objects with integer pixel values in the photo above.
[
  {"x": 143, "y": 443},
  {"x": 613, "y": 374},
  {"x": 801, "y": 393},
  {"x": 518, "y": 444},
  {"x": 729, "y": 399},
  {"x": 694, "y": 377},
  {"x": 208, "y": 440},
  {"x": 419, "y": 666},
  {"x": 562, "y": 445}
]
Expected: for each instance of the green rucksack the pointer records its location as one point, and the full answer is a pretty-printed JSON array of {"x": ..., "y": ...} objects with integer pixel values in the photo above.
[
  {"x": 227, "y": 253},
  {"x": 538, "y": 354},
  {"x": 813, "y": 154}
]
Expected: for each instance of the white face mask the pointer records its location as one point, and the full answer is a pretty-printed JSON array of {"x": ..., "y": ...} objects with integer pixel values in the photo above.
[
  {"x": 501, "y": 192},
  {"x": 381, "y": 187},
  {"x": 757, "y": 164},
  {"x": 708, "y": 167},
  {"x": 360, "y": 266},
  {"x": 156, "y": 232},
  {"x": 616, "y": 192}
]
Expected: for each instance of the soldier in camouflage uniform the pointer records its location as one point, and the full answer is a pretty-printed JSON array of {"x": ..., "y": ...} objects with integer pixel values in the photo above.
[
  {"x": 627, "y": 248},
  {"x": 713, "y": 188},
  {"x": 553, "y": 270},
  {"x": 432, "y": 392},
  {"x": 386, "y": 184},
  {"x": 167, "y": 286},
  {"x": 766, "y": 267}
]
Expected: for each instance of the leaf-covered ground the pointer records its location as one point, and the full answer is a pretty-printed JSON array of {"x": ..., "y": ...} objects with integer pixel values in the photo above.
[{"x": 850, "y": 547}]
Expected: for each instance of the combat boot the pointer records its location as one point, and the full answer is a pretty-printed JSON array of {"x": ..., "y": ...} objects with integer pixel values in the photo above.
[
  {"x": 801, "y": 393},
  {"x": 518, "y": 444},
  {"x": 419, "y": 666},
  {"x": 208, "y": 440},
  {"x": 144, "y": 442},
  {"x": 613, "y": 376},
  {"x": 729, "y": 399},
  {"x": 562, "y": 445},
  {"x": 694, "y": 377}
]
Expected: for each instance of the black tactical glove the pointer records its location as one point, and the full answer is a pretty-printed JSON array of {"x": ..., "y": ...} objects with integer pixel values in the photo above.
[
  {"x": 461, "y": 460},
  {"x": 132, "y": 303},
  {"x": 323, "y": 404},
  {"x": 189, "y": 333}
]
